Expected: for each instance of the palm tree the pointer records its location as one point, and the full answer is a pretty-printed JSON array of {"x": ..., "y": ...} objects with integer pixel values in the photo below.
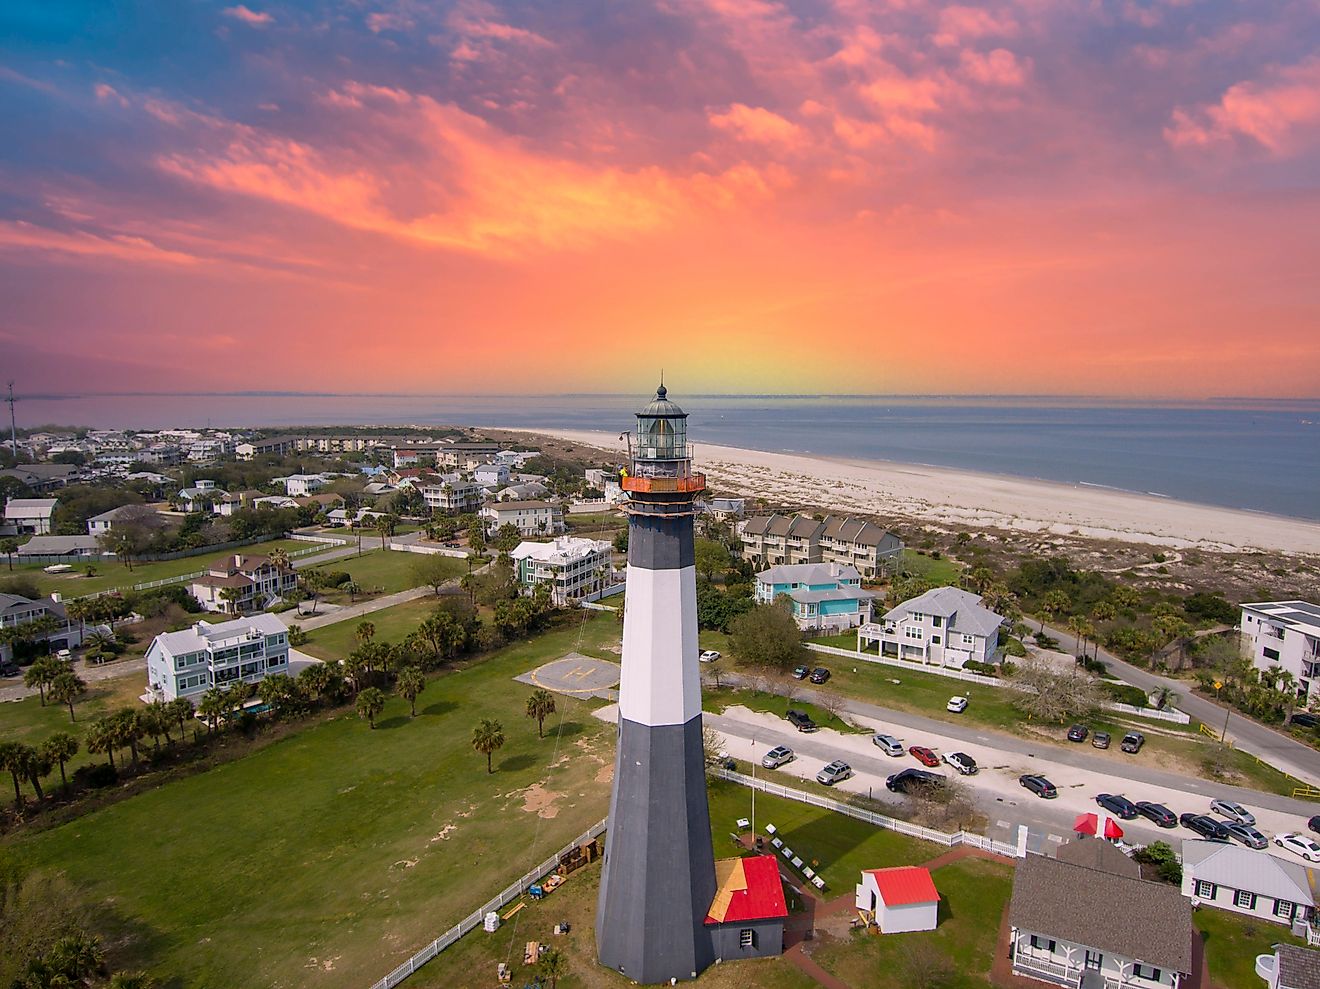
[
  {"x": 132, "y": 980},
  {"x": 486, "y": 738},
  {"x": 100, "y": 738},
  {"x": 59, "y": 749},
  {"x": 1103, "y": 611},
  {"x": 1054, "y": 603},
  {"x": 279, "y": 558},
  {"x": 40, "y": 674},
  {"x": 181, "y": 710},
  {"x": 353, "y": 588},
  {"x": 552, "y": 966},
  {"x": 314, "y": 680},
  {"x": 79, "y": 609},
  {"x": 129, "y": 730},
  {"x": 314, "y": 584},
  {"x": 212, "y": 707},
  {"x": 78, "y": 956},
  {"x": 540, "y": 705},
  {"x": 411, "y": 683},
  {"x": 66, "y": 688},
  {"x": 365, "y": 632},
  {"x": 13, "y": 759},
  {"x": 231, "y": 596},
  {"x": 9, "y": 547},
  {"x": 35, "y": 765},
  {"x": 370, "y": 703}
]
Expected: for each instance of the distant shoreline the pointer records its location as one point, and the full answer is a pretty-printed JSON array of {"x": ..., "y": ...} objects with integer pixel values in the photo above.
[{"x": 954, "y": 497}]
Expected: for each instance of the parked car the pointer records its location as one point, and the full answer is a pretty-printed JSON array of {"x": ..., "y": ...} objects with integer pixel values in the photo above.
[
  {"x": 1117, "y": 805},
  {"x": 962, "y": 762},
  {"x": 1100, "y": 740},
  {"x": 777, "y": 756},
  {"x": 1305, "y": 719},
  {"x": 8, "y": 669},
  {"x": 1132, "y": 742},
  {"x": 1204, "y": 825},
  {"x": 1246, "y": 834},
  {"x": 1300, "y": 844},
  {"x": 1233, "y": 810},
  {"x": 709, "y": 656},
  {"x": 63, "y": 654},
  {"x": 1039, "y": 785},
  {"x": 889, "y": 744},
  {"x": 924, "y": 755},
  {"x": 835, "y": 772},
  {"x": 801, "y": 720},
  {"x": 801, "y": 672},
  {"x": 907, "y": 780},
  {"x": 819, "y": 675},
  {"x": 1158, "y": 813},
  {"x": 1314, "y": 824},
  {"x": 956, "y": 704},
  {"x": 1078, "y": 733}
]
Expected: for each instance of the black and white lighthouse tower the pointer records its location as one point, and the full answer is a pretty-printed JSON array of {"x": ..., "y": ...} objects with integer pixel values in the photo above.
[{"x": 659, "y": 874}]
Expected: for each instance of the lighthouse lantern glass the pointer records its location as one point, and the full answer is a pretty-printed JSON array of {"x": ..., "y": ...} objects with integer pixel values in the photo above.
[{"x": 661, "y": 438}]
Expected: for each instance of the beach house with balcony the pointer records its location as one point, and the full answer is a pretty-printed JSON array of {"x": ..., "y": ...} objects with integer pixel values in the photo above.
[
  {"x": 243, "y": 582},
  {"x": 451, "y": 493},
  {"x": 1285, "y": 635},
  {"x": 190, "y": 662},
  {"x": 946, "y": 626},
  {"x": 573, "y": 568},
  {"x": 774, "y": 540},
  {"x": 530, "y": 518},
  {"x": 823, "y": 596},
  {"x": 770, "y": 540},
  {"x": 871, "y": 548}
]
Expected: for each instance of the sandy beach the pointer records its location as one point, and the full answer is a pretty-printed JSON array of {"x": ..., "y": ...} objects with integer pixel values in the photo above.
[{"x": 954, "y": 499}]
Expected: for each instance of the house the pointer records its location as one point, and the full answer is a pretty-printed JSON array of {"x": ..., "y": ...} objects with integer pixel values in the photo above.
[
  {"x": 100, "y": 525},
  {"x": 31, "y": 515},
  {"x": 274, "y": 501},
  {"x": 16, "y": 611},
  {"x": 1072, "y": 925},
  {"x": 946, "y": 626},
  {"x": 1285, "y": 635},
  {"x": 301, "y": 485},
  {"x": 1098, "y": 853},
  {"x": 823, "y": 595},
  {"x": 530, "y": 518},
  {"x": 320, "y": 501},
  {"x": 725, "y": 509},
  {"x": 871, "y": 548},
  {"x": 530, "y": 491},
  {"x": 273, "y": 446},
  {"x": 597, "y": 476},
  {"x": 199, "y": 496},
  {"x": 41, "y": 546},
  {"x": 746, "y": 917},
  {"x": 516, "y": 458},
  {"x": 1290, "y": 967},
  {"x": 453, "y": 494},
  {"x": 1242, "y": 880},
  {"x": 901, "y": 899},
  {"x": 148, "y": 477},
  {"x": 43, "y": 477},
  {"x": 572, "y": 567},
  {"x": 464, "y": 456},
  {"x": 190, "y": 662},
  {"x": 242, "y": 582},
  {"x": 491, "y": 475},
  {"x": 771, "y": 540}
]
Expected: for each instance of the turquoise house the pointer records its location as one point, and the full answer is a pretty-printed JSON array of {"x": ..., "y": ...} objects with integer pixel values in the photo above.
[{"x": 823, "y": 596}]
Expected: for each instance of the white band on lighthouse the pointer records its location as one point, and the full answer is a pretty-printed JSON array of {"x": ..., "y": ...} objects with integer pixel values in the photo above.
[{"x": 661, "y": 682}]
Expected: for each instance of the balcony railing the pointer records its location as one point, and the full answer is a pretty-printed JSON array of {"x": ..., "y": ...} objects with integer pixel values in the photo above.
[{"x": 662, "y": 485}]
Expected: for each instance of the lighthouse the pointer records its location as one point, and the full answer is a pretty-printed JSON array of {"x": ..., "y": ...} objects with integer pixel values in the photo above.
[{"x": 658, "y": 879}]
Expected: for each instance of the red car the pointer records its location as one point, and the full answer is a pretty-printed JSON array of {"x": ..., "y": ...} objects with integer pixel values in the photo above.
[{"x": 924, "y": 755}]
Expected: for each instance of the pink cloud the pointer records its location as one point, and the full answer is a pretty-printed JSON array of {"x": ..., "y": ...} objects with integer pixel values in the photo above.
[
  {"x": 997, "y": 68},
  {"x": 958, "y": 24},
  {"x": 248, "y": 16},
  {"x": 756, "y": 124},
  {"x": 17, "y": 235},
  {"x": 1271, "y": 112},
  {"x": 105, "y": 93},
  {"x": 388, "y": 21}
]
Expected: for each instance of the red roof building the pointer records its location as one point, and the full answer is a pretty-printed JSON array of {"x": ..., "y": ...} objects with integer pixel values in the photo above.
[
  {"x": 903, "y": 898},
  {"x": 747, "y": 914}
]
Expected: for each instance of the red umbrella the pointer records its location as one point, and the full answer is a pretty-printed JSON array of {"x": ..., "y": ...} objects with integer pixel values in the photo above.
[
  {"x": 1086, "y": 824},
  {"x": 1112, "y": 830}
]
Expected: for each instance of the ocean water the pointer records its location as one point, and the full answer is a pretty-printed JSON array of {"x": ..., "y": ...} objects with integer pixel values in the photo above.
[{"x": 1250, "y": 454}]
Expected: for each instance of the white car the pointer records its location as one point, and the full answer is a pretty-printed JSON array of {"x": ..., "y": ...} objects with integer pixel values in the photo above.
[
  {"x": 777, "y": 756},
  {"x": 956, "y": 704},
  {"x": 1299, "y": 844},
  {"x": 709, "y": 656},
  {"x": 962, "y": 762}
]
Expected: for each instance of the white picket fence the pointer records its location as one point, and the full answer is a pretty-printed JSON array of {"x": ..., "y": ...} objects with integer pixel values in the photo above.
[
  {"x": 307, "y": 537},
  {"x": 459, "y": 554},
  {"x": 186, "y": 577},
  {"x": 473, "y": 920},
  {"x": 945, "y": 838},
  {"x": 1171, "y": 714}
]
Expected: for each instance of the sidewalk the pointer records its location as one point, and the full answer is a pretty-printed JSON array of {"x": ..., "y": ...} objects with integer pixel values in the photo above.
[{"x": 308, "y": 621}]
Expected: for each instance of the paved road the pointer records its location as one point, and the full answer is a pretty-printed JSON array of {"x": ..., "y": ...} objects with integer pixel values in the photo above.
[
  {"x": 322, "y": 618},
  {"x": 1274, "y": 747}
]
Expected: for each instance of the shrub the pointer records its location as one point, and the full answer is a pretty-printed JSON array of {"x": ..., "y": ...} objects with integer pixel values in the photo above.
[
  {"x": 1125, "y": 693},
  {"x": 96, "y": 776},
  {"x": 1096, "y": 666},
  {"x": 1161, "y": 855},
  {"x": 985, "y": 669},
  {"x": 297, "y": 637},
  {"x": 1012, "y": 646}
]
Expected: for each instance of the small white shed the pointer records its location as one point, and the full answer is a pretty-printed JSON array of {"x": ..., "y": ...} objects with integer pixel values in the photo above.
[{"x": 902, "y": 899}]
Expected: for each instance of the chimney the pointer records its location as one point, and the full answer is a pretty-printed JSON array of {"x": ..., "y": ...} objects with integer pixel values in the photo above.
[
  {"x": 238, "y": 561},
  {"x": 56, "y": 596}
]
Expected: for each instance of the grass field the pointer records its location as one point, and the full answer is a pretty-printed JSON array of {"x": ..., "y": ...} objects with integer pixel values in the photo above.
[
  {"x": 111, "y": 575},
  {"x": 27, "y": 721},
  {"x": 1232, "y": 943},
  {"x": 379, "y": 571},
  {"x": 339, "y": 639},
  {"x": 938, "y": 572},
  {"x": 325, "y": 858}
]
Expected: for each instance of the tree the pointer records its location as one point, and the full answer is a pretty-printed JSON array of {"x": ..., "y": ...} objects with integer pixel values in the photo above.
[
  {"x": 488, "y": 737},
  {"x": 212, "y": 707},
  {"x": 132, "y": 980},
  {"x": 768, "y": 636},
  {"x": 231, "y": 596},
  {"x": 14, "y": 759},
  {"x": 365, "y": 632},
  {"x": 384, "y": 526},
  {"x": 279, "y": 558},
  {"x": 181, "y": 710},
  {"x": 59, "y": 749},
  {"x": 1054, "y": 603},
  {"x": 76, "y": 956},
  {"x": 506, "y": 537},
  {"x": 35, "y": 765},
  {"x": 129, "y": 730},
  {"x": 432, "y": 570},
  {"x": 552, "y": 966},
  {"x": 41, "y": 673},
  {"x": 9, "y": 547},
  {"x": 1047, "y": 693},
  {"x": 66, "y": 688},
  {"x": 280, "y": 692},
  {"x": 711, "y": 558},
  {"x": 1103, "y": 611},
  {"x": 621, "y": 541},
  {"x": 540, "y": 705},
  {"x": 313, "y": 582},
  {"x": 100, "y": 738},
  {"x": 370, "y": 703},
  {"x": 411, "y": 683}
]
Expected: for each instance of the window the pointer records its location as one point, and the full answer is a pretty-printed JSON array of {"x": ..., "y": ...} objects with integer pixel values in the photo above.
[
  {"x": 747, "y": 938},
  {"x": 1205, "y": 890},
  {"x": 1145, "y": 972},
  {"x": 912, "y": 632},
  {"x": 1244, "y": 899},
  {"x": 1283, "y": 909},
  {"x": 1042, "y": 944},
  {"x": 1094, "y": 959},
  {"x": 1271, "y": 653},
  {"x": 936, "y": 620},
  {"x": 935, "y": 640}
]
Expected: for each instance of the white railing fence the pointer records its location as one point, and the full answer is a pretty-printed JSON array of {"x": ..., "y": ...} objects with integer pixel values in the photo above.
[
  {"x": 473, "y": 920},
  {"x": 307, "y": 537}
]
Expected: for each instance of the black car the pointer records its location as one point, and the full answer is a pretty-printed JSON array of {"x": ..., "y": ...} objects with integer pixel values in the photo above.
[
  {"x": 1039, "y": 785},
  {"x": 1078, "y": 733},
  {"x": 9, "y": 670},
  {"x": 801, "y": 672},
  {"x": 1100, "y": 740},
  {"x": 820, "y": 675},
  {"x": 1158, "y": 813},
  {"x": 1118, "y": 805},
  {"x": 907, "y": 780},
  {"x": 1303, "y": 719},
  {"x": 801, "y": 720},
  {"x": 1314, "y": 824},
  {"x": 1204, "y": 825},
  {"x": 1132, "y": 742}
]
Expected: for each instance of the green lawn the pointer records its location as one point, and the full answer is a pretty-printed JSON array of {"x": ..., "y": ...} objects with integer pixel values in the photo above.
[
  {"x": 27, "y": 721},
  {"x": 327, "y": 857},
  {"x": 381, "y": 571},
  {"x": 716, "y": 700},
  {"x": 973, "y": 893},
  {"x": 111, "y": 575},
  {"x": 392, "y": 624},
  {"x": 1232, "y": 943},
  {"x": 938, "y": 572}
]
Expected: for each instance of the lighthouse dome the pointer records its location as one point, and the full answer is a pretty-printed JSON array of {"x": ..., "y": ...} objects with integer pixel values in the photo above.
[{"x": 660, "y": 406}]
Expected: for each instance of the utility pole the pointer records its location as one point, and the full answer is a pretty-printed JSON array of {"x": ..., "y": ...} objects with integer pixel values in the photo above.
[{"x": 13, "y": 427}]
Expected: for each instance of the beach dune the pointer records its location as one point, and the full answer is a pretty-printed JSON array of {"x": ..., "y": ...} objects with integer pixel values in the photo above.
[{"x": 956, "y": 498}]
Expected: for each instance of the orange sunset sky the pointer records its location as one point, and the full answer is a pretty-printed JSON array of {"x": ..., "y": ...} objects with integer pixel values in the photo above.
[{"x": 1029, "y": 196}]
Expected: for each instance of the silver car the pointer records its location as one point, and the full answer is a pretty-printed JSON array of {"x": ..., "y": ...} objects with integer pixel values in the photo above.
[
  {"x": 1246, "y": 834},
  {"x": 777, "y": 756},
  {"x": 1235, "y": 812},
  {"x": 889, "y": 745},
  {"x": 835, "y": 772}
]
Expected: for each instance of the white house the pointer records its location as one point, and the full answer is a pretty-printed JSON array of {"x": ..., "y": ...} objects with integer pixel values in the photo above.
[
  {"x": 255, "y": 582},
  {"x": 945, "y": 626},
  {"x": 200, "y": 495},
  {"x": 1290, "y": 967},
  {"x": 191, "y": 662},
  {"x": 1260, "y": 885},
  {"x": 516, "y": 458},
  {"x": 491, "y": 475},
  {"x": 530, "y": 518},
  {"x": 453, "y": 494},
  {"x": 822, "y": 595},
  {"x": 901, "y": 899},
  {"x": 1285, "y": 635},
  {"x": 100, "y": 525},
  {"x": 1071, "y": 925},
  {"x": 274, "y": 501},
  {"x": 16, "y": 611},
  {"x": 39, "y": 546},
  {"x": 530, "y": 491},
  {"x": 574, "y": 568},
  {"x": 30, "y": 515},
  {"x": 302, "y": 485}
]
